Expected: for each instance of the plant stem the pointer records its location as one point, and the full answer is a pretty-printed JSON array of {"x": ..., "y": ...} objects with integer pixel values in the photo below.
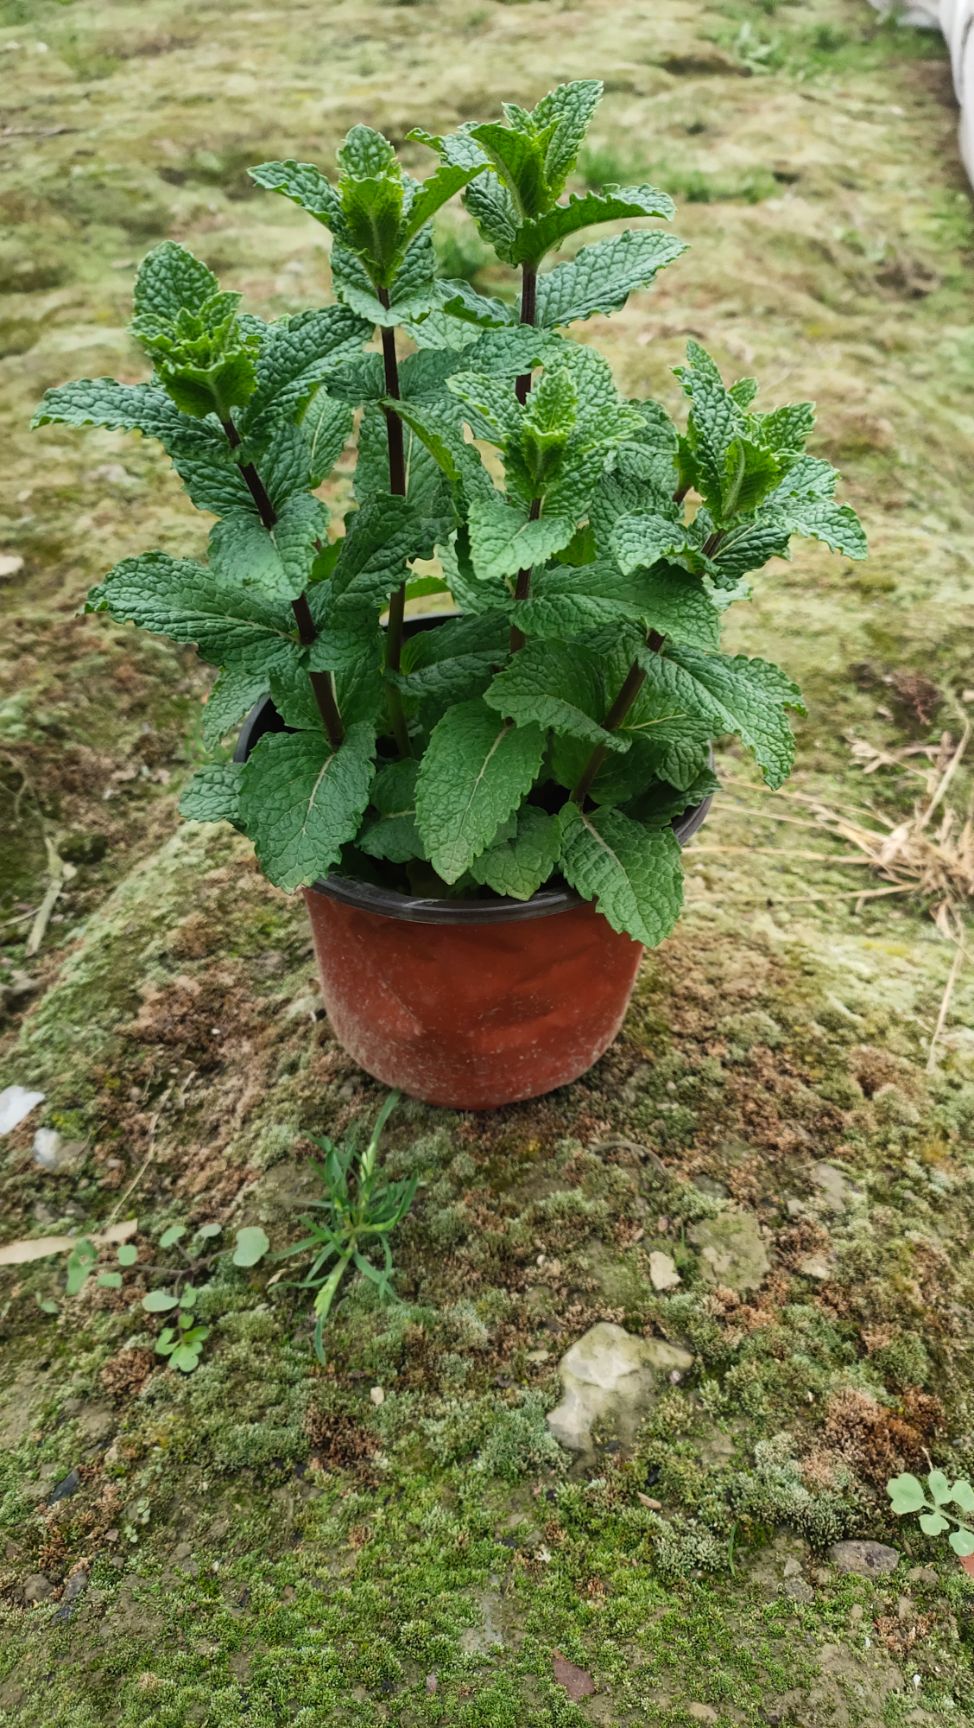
[
  {"x": 522, "y": 587},
  {"x": 397, "y": 485},
  {"x": 321, "y": 682},
  {"x": 628, "y": 691},
  {"x": 529, "y": 307}
]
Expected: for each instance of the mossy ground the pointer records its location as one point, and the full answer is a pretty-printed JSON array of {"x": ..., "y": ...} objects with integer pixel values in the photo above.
[{"x": 262, "y": 1543}]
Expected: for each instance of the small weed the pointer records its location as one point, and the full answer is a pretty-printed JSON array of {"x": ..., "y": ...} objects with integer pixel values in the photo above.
[{"x": 907, "y": 1494}]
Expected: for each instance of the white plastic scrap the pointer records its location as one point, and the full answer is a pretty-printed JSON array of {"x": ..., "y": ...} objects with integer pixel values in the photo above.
[
  {"x": 955, "y": 20},
  {"x": 16, "y": 1103}
]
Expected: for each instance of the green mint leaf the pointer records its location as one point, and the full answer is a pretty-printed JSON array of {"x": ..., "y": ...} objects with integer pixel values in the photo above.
[
  {"x": 493, "y": 209},
  {"x": 301, "y": 802},
  {"x": 296, "y": 356},
  {"x": 556, "y": 685},
  {"x": 213, "y": 794},
  {"x": 252, "y": 1244},
  {"x": 616, "y": 203},
  {"x": 305, "y": 186},
  {"x": 232, "y": 696},
  {"x": 273, "y": 563},
  {"x": 372, "y": 216},
  {"x": 476, "y": 770},
  {"x": 453, "y": 661},
  {"x": 441, "y": 186},
  {"x": 785, "y": 429},
  {"x": 738, "y": 695},
  {"x": 327, "y": 427},
  {"x": 364, "y": 153},
  {"x": 504, "y": 540},
  {"x": 519, "y": 161},
  {"x": 379, "y": 538},
  {"x": 962, "y": 1542},
  {"x": 463, "y": 302},
  {"x": 518, "y": 864},
  {"x": 457, "y": 460},
  {"x": 170, "y": 280},
  {"x": 569, "y": 601},
  {"x": 749, "y": 546},
  {"x": 490, "y": 406},
  {"x": 568, "y": 109},
  {"x": 413, "y": 290},
  {"x": 633, "y": 874},
  {"x": 821, "y": 519},
  {"x": 602, "y": 276},
  {"x": 392, "y": 833},
  {"x": 187, "y": 602},
  {"x": 640, "y": 541}
]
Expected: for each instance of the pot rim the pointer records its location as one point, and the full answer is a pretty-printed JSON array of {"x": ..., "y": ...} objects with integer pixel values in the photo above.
[{"x": 419, "y": 909}]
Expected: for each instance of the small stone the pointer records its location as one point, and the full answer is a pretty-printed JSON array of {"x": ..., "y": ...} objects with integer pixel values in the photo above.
[
  {"x": 835, "y": 1192},
  {"x": 377, "y": 1395},
  {"x": 37, "y": 1587},
  {"x": 702, "y": 1712},
  {"x": 793, "y": 1568},
  {"x": 922, "y": 1575},
  {"x": 865, "y": 1558},
  {"x": 10, "y": 564},
  {"x": 610, "y": 1381},
  {"x": 431, "y": 1683},
  {"x": 732, "y": 1250},
  {"x": 74, "y": 1588},
  {"x": 663, "y": 1274},
  {"x": 798, "y": 1590},
  {"x": 817, "y": 1266},
  {"x": 67, "y": 1486}
]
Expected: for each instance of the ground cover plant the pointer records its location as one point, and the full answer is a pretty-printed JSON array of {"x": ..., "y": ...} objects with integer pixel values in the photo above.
[
  {"x": 396, "y": 1538},
  {"x": 554, "y": 729}
]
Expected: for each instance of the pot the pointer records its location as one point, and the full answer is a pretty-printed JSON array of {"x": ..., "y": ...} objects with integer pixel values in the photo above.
[{"x": 469, "y": 1004}]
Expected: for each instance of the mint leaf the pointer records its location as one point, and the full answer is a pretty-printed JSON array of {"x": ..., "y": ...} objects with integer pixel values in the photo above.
[
  {"x": 392, "y": 833},
  {"x": 435, "y": 192},
  {"x": 633, "y": 874},
  {"x": 821, "y": 519},
  {"x": 301, "y": 802},
  {"x": 642, "y": 540},
  {"x": 556, "y": 685},
  {"x": 213, "y": 794},
  {"x": 175, "y": 597},
  {"x": 746, "y": 697},
  {"x": 475, "y": 772},
  {"x": 327, "y": 426},
  {"x": 232, "y": 696},
  {"x": 413, "y": 290},
  {"x": 296, "y": 356},
  {"x": 516, "y": 864},
  {"x": 274, "y": 563},
  {"x": 457, "y": 659},
  {"x": 504, "y": 540},
  {"x": 305, "y": 186},
  {"x": 602, "y": 276},
  {"x": 612, "y": 205},
  {"x": 569, "y": 108},
  {"x": 171, "y": 280},
  {"x": 464, "y": 302},
  {"x": 518, "y": 159}
]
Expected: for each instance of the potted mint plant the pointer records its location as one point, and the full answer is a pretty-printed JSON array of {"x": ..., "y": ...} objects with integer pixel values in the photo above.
[{"x": 483, "y": 805}]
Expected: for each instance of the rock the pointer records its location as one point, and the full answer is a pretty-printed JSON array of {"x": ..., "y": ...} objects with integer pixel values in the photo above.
[
  {"x": 16, "y": 1102},
  {"x": 37, "y": 1587},
  {"x": 868, "y": 1559},
  {"x": 732, "y": 1250},
  {"x": 10, "y": 564},
  {"x": 56, "y": 1155},
  {"x": 663, "y": 1274},
  {"x": 819, "y": 1266},
  {"x": 74, "y": 1588},
  {"x": 835, "y": 1192},
  {"x": 702, "y": 1712},
  {"x": 477, "y": 1640},
  {"x": 610, "y": 1380}
]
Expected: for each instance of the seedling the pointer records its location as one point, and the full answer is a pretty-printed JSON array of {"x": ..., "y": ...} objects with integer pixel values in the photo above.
[
  {"x": 908, "y": 1494},
  {"x": 359, "y": 1210},
  {"x": 593, "y": 546}
]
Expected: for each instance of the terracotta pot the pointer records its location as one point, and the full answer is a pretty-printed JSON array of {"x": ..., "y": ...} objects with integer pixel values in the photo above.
[{"x": 470, "y": 1004}]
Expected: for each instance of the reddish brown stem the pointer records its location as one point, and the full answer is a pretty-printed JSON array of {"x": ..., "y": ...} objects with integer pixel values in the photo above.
[
  {"x": 628, "y": 691},
  {"x": 522, "y": 588},
  {"x": 321, "y": 682},
  {"x": 397, "y": 484}
]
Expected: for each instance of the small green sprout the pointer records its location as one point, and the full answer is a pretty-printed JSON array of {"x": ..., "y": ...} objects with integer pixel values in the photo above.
[
  {"x": 907, "y": 1494},
  {"x": 360, "y": 1210}
]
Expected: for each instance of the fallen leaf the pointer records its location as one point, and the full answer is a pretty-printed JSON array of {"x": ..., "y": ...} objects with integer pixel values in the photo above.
[
  {"x": 40, "y": 1247},
  {"x": 577, "y": 1683}
]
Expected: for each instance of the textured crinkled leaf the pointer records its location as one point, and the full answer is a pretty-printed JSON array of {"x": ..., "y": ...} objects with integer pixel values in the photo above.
[
  {"x": 456, "y": 660},
  {"x": 476, "y": 770},
  {"x": 170, "y": 280},
  {"x": 457, "y": 460},
  {"x": 504, "y": 540},
  {"x": 639, "y": 541},
  {"x": 189, "y": 603},
  {"x": 748, "y": 697},
  {"x": 517, "y": 865},
  {"x": 613, "y": 204},
  {"x": 276, "y": 562},
  {"x": 633, "y": 874},
  {"x": 465, "y": 303},
  {"x": 372, "y": 214},
  {"x": 304, "y": 185},
  {"x": 413, "y": 292},
  {"x": 301, "y": 802},
  {"x": 327, "y": 427},
  {"x": 441, "y": 186},
  {"x": 749, "y": 546},
  {"x": 489, "y": 404},
  {"x": 822, "y": 519},
  {"x": 556, "y": 685},
  {"x": 392, "y": 832},
  {"x": 568, "y": 601},
  {"x": 379, "y": 538},
  {"x": 495, "y": 213},
  {"x": 232, "y": 696},
  {"x": 427, "y": 488},
  {"x": 213, "y": 794},
  {"x": 296, "y": 355},
  {"x": 602, "y": 276},
  {"x": 518, "y": 159},
  {"x": 571, "y": 107},
  {"x": 786, "y": 428}
]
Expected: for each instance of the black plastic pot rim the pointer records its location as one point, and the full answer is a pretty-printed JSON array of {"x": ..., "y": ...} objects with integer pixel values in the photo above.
[{"x": 415, "y": 909}]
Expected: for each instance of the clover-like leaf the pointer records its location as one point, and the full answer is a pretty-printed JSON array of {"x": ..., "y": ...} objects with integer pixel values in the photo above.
[{"x": 251, "y": 1245}]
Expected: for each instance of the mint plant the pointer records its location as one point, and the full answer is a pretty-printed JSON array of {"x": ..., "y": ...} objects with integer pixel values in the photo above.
[{"x": 585, "y": 547}]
